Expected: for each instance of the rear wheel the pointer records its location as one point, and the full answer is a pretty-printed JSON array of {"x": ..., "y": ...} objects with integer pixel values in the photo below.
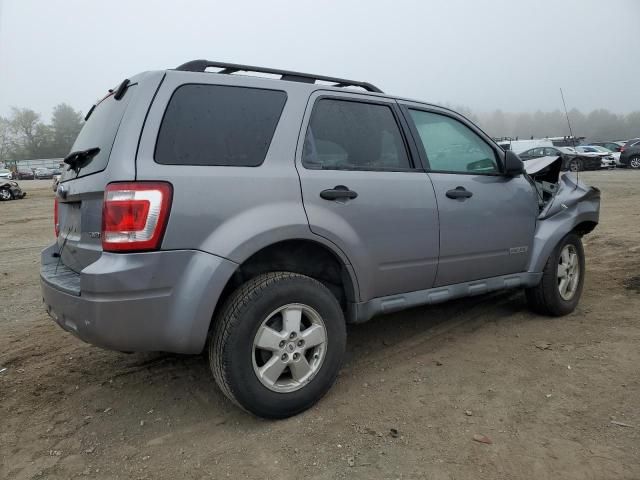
[
  {"x": 278, "y": 344},
  {"x": 559, "y": 291},
  {"x": 634, "y": 162}
]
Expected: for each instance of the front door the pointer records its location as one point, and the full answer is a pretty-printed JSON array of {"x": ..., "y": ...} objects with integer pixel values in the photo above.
[
  {"x": 362, "y": 191},
  {"x": 487, "y": 220}
]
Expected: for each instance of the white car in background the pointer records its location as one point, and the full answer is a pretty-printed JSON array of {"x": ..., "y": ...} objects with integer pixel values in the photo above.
[
  {"x": 5, "y": 174},
  {"x": 606, "y": 155},
  {"x": 615, "y": 155}
]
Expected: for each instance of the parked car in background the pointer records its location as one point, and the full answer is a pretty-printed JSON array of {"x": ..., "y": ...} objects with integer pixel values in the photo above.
[
  {"x": 517, "y": 146},
  {"x": 43, "y": 173},
  {"x": 10, "y": 190},
  {"x": 571, "y": 159},
  {"x": 614, "y": 154},
  {"x": 630, "y": 154},
  {"x": 24, "y": 174},
  {"x": 613, "y": 146},
  {"x": 606, "y": 156},
  {"x": 5, "y": 174}
]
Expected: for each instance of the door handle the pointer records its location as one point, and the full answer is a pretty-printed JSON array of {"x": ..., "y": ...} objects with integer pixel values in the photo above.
[
  {"x": 459, "y": 192},
  {"x": 339, "y": 191}
]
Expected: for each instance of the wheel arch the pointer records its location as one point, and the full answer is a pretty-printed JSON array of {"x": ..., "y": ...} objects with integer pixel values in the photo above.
[{"x": 305, "y": 256}]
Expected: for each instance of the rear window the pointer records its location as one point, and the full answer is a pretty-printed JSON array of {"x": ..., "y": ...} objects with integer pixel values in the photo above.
[
  {"x": 100, "y": 131},
  {"x": 218, "y": 125}
]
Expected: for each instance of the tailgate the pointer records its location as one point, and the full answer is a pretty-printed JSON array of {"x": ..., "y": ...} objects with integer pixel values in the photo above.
[{"x": 81, "y": 191}]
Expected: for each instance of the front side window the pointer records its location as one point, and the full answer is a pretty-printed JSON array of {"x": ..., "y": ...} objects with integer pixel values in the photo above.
[
  {"x": 451, "y": 146},
  {"x": 218, "y": 125},
  {"x": 348, "y": 135}
]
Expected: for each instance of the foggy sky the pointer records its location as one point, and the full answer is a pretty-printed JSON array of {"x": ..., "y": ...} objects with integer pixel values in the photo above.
[{"x": 500, "y": 54}]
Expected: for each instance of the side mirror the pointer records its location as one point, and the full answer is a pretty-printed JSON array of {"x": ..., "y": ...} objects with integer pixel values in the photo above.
[{"x": 513, "y": 166}]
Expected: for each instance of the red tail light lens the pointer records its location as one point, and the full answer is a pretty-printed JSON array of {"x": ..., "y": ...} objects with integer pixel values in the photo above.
[
  {"x": 56, "y": 222},
  {"x": 134, "y": 215}
]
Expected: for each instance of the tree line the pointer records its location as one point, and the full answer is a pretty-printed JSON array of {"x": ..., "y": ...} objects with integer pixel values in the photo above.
[
  {"x": 596, "y": 126},
  {"x": 24, "y": 136}
]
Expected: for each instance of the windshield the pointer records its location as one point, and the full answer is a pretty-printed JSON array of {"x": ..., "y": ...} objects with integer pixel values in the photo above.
[{"x": 99, "y": 131}]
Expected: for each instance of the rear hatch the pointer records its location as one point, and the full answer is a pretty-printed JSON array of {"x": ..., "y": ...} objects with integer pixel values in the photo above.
[{"x": 81, "y": 190}]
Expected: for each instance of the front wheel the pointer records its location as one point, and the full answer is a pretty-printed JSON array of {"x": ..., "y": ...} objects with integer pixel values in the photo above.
[
  {"x": 278, "y": 344},
  {"x": 634, "y": 162},
  {"x": 5, "y": 194},
  {"x": 559, "y": 291}
]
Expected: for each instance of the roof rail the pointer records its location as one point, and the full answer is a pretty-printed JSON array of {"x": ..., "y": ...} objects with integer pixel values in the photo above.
[{"x": 202, "y": 65}]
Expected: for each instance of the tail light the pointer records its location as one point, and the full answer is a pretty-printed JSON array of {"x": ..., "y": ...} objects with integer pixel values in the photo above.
[
  {"x": 56, "y": 222},
  {"x": 621, "y": 149},
  {"x": 134, "y": 215}
]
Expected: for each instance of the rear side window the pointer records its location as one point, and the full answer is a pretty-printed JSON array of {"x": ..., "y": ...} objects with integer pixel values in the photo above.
[
  {"x": 347, "y": 135},
  {"x": 218, "y": 125},
  {"x": 100, "y": 131}
]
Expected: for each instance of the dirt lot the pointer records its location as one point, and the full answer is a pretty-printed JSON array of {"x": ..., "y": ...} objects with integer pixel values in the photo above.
[{"x": 416, "y": 387}]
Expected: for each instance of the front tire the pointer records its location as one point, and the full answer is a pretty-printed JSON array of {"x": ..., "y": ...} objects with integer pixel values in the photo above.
[
  {"x": 559, "y": 291},
  {"x": 277, "y": 345},
  {"x": 634, "y": 162}
]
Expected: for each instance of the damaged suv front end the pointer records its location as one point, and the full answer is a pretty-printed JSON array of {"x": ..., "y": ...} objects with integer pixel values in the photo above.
[{"x": 565, "y": 204}]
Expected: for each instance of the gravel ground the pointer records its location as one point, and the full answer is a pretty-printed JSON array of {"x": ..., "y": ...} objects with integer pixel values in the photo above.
[{"x": 556, "y": 397}]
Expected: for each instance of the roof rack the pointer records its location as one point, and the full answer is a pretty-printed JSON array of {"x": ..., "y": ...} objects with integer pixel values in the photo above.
[{"x": 202, "y": 65}]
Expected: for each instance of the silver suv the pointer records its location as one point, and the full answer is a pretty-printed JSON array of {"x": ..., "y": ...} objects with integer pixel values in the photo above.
[{"x": 254, "y": 217}]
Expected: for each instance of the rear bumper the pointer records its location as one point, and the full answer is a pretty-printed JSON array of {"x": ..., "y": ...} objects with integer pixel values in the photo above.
[{"x": 153, "y": 301}]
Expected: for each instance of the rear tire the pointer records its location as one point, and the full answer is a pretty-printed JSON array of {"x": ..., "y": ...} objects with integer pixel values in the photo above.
[
  {"x": 277, "y": 345},
  {"x": 559, "y": 291}
]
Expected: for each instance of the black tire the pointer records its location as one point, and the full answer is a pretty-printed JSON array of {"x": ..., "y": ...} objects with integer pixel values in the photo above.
[
  {"x": 634, "y": 162},
  {"x": 575, "y": 165},
  {"x": 231, "y": 346},
  {"x": 545, "y": 298}
]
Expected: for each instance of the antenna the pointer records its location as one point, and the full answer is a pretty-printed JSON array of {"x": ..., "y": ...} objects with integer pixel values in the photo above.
[{"x": 573, "y": 139}]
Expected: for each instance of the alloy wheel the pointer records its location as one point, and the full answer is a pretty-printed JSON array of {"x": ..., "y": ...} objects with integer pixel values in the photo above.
[
  {"x": 289, "y": 348},
  {"x": 568, "y": 272}
]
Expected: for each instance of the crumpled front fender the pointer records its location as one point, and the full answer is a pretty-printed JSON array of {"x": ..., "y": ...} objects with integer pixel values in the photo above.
[{"x": 573, "y": 206}]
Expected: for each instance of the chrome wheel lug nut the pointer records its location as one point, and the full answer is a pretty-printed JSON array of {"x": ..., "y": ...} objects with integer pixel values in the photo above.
[
  {"x": 301, "y": 343},
  {"x": 282, "y": 344},
  {"x": 284, "y": 357},
  {"x": 296, "y": 356},
  {"x": 292, "y": 335}
]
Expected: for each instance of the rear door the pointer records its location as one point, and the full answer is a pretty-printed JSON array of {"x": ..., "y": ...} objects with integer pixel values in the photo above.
[
  {"x": 363, "y": 189},
  {"x": 487, "y": 220}
]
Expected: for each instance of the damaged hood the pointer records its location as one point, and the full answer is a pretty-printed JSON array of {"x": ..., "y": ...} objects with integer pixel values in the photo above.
[{"x": 537, "y": 164}]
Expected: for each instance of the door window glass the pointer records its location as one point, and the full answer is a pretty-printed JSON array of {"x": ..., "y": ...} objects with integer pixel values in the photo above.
[
  {"x": 347, "y": 135},
  {"x": 451, "y": 146}
]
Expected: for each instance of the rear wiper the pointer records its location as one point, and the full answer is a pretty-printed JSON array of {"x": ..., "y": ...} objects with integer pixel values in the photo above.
[{"x": 80, "y": 159}]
